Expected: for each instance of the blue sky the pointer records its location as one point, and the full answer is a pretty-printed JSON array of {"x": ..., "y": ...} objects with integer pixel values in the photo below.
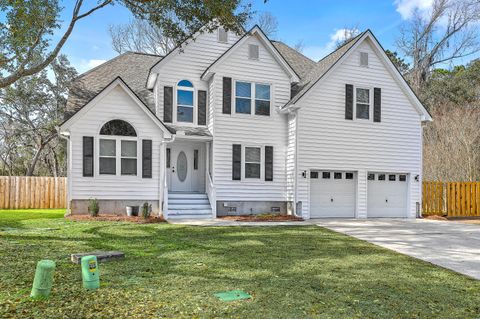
[{"x": 316, "y": 23}]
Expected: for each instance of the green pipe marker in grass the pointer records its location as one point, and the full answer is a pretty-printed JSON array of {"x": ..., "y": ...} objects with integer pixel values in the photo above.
[
  {"x": 233, "y": 295},
  {"x": 90, "y": 273},
  {"x": 43, "y": 281}
]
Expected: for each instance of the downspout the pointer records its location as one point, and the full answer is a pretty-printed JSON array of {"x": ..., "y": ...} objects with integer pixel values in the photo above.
[{"x": 296, "y": 166}]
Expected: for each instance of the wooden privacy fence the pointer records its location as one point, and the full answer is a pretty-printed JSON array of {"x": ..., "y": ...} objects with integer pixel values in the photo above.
[
  {"x": 21, "y": 192},
  {"x": 454, "y": 199}
]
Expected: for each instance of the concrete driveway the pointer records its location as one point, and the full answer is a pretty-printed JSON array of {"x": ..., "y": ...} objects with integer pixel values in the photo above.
[{"x": 452, "y": 245}]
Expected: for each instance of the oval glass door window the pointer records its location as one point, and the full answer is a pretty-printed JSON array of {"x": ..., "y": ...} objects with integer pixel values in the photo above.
[{"x": 182, "y": 166}]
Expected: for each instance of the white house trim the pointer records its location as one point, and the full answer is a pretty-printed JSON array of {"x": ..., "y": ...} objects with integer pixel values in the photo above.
[
  {"x": 425, "y": 116},
  {"x": 265, "y": 41},
  {"x": 64, "y": 127}
]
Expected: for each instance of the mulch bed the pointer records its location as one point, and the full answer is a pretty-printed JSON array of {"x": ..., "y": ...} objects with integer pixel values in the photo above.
[
  {"x": 262, "y": 218},
  {"x": 117, "y": 218}
]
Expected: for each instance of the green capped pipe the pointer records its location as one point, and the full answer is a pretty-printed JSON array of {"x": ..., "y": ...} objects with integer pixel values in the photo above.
[
  {"x": 42, "y": 283},
  {"x": 90, "y": 273}
]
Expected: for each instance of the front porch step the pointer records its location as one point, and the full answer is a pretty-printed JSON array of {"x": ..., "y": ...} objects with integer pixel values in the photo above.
[
  {"x": 189, "y": 206},
  {"x": 183, "y": 206},
  {"x": 187, "y": 195},
  {"x": 188, "y": 201}
]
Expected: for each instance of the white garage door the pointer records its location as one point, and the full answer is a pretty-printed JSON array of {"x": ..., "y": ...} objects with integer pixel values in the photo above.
[
  {"x": 332, "y": 194},
  {"x": 387, "y": 195}
]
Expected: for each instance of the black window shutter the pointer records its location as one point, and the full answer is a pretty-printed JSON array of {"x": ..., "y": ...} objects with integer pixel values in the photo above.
[
  {"x": 147, "y": 158},
  {"x": 269, "y": 163},
  {"x": 377, "y": 104},
  {"x": 227, "y": 96},
  {"x": 202, "y": 107},
  {"x": 88, "y": 156},
  {"x": 348, "y": 102},
  {"x": 237, "y": 162},
  {"x": 167, "y": 104}
]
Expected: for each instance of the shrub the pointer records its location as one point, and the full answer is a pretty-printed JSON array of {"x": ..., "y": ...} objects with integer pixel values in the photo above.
[
  {"x": 146, "y": 210},
  {"x": 93, "y": 207}
]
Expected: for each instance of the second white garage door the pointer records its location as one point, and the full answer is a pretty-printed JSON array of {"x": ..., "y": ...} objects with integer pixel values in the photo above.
[
  {"x": 332, "y": 194},
  {"x": 387, "y": 195}
]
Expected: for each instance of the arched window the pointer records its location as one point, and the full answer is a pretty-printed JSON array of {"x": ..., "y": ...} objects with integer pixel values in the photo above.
[
  {"x": 118, "y": 127},
  {"x": 185, "y": 93},
  {"x": 117, "y": 148}
]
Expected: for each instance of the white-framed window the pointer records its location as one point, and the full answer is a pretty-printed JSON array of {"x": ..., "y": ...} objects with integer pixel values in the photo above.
[
  {"x": 128, "y": 157},
  {"x": 185, "y": 101},
  {"x": 117, "y": 149},
  {"x": 252, "y": 98},
  {"x": 262, "y": 99},
  {"x": 107, "y": 156},
  {"x": 363, "y": 103},
  {"x": 222, "y": 35},
  {"x": 243, "y": 97},
  {"x": 253, "y": 162}
]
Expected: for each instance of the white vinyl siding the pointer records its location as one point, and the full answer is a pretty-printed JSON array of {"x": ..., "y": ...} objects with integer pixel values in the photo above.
[
  {"x": 117, "y": 104},
  {"x": 327, "y": 142},
  {"x": 190, "y": 64},
  {"x": 250, "y": 130}
]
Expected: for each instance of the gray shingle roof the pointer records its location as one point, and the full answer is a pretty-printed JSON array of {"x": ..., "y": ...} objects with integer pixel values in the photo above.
[
  {"x": 300, "y": 63},
  {"x": 132, "y": 67},
  {"x": 322, "y": 67},
  {"x": 189, "y": 130}
]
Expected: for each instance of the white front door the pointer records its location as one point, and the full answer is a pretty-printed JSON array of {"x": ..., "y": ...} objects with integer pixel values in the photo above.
[
  {"x": 186, "y": 168},
  {"x": 332, "y": 194}
]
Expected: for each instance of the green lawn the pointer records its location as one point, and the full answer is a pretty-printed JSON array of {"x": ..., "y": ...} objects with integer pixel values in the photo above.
[{"x": 174, "y": 271}]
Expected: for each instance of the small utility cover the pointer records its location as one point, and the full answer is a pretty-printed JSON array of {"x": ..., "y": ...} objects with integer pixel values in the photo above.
[{"x": 232, "y": 295}]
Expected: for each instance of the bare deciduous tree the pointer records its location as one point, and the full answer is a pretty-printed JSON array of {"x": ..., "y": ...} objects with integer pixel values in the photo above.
[
  {"x": 299, "y": 46},
  {"x": 448, "y": 32},
  {"x": 268, "y": 23},
  {"x": 140, "y": 36},
  {"x": 451, "y": 144}
]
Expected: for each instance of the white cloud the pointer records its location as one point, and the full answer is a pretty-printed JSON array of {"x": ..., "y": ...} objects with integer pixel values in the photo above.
[
  {"x": 93, "y": 63},
  {"x": 85, "y": 65},
  {"x": 407, "y": 7},
  {"x": 339, "y": 35}
]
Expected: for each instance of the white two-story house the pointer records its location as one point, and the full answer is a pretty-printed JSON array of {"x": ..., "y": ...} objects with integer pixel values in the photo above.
[{"x": 233, "y": 124}]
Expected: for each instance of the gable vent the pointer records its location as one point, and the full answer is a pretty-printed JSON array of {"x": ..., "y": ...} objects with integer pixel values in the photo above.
[
  {"x": 253, "y": 51},
  {"x": 222, "y": 35},
  {"x": 363, "y": 59}
]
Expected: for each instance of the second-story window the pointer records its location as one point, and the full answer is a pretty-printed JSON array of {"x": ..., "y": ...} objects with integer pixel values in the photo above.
[
  {"x": 262, "y": 99},
  {"x": 363, "y": 103},
  {"x": 243, "y": 97},
  {"x": 185, "y": 93},
  {"x": 252, "y": 98}
]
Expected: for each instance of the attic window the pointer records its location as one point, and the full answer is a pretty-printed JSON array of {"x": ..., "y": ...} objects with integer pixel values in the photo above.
[
  {"x": 253, "y": 51},
  {"x": 222, "y": 35},
  {"x": 364, "y": 59}
]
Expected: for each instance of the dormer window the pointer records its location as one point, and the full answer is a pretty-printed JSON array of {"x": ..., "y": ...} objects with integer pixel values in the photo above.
[
  {"x": 253, "y": 52},
  {"x": 222, "y": 35},
  {"x": 185, "y": 93}
]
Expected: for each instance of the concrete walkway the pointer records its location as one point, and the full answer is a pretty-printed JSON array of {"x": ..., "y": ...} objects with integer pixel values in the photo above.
[{"x": 452, "y": 245}]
